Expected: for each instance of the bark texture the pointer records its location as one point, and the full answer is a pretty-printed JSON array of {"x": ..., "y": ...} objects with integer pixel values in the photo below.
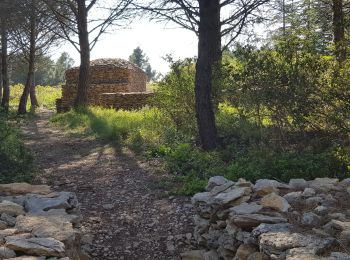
[
  {"x": 209, "y": 56},
  {"x": 339, "y": 30},
  {"x": 4, "y": 70},
  {"x": 22, "y": 107},
  {"x": 81, "y": 99}
]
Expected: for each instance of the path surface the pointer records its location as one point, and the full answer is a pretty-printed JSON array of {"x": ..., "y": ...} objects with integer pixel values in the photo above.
[{"x": 124, "y": 209}]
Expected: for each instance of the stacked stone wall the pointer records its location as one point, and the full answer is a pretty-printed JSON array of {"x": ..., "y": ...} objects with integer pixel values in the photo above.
[
  {"x": 38, "y": 223},
  {"x": 125, "y": 101},
  {"x": 107, "y": 76},
  {"x": 302, "y": 220}
]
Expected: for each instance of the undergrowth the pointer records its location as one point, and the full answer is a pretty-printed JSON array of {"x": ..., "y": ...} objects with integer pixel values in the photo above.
[{"x": 16, "y": 162}]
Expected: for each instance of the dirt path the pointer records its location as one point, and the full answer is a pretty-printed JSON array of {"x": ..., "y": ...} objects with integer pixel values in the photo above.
[{"x": 129, "y": 217}]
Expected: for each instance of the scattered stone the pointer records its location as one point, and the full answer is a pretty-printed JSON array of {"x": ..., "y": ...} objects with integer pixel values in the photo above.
[
  {"x": 38, "y": 203},
  {"x": 244, "y": 251},
  {"x": 336, "y": 226},
  {"x": 264, "y": 186},
  {"x": 311, "y": 219},
  {"x": 293, "y": 197},
  {"x": 265, "y": 228},
  {"x": 309, "y": 192},
  {"x": 49, "y": 226},
  {"x": 254, "y": 220},
  {"x": 323, "y": 184},
  {"x": 108, "y": 206},
  {"x": 202, "y": 197},
  {"x": 246, "y": 208},
  {"x": 321, "y": 210},
  {"x": 298, "y": 184},
  {"x": 193, "y": 255},
  {"x": 11, "y": 221},
  {"x": 226, "y": 198},
  {"x": 275, "y": 201},
  {"x": 24, "y": 188},
  {"x": 6, "y": 253},
  {"x": 36, "y": 246},
  {"x": 216, "y": 181},
  {"x": 11, "y": 208},
  {"x": 211, "y": 255}
]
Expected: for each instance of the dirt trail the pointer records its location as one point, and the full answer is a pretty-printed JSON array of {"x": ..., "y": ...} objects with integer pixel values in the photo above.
[{"x": 124, "y": 209}]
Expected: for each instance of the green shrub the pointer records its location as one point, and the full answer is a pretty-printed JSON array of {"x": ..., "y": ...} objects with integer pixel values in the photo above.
[{"x": 16, "y": 162}]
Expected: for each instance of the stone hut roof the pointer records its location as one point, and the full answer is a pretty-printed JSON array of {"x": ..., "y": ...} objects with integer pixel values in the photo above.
[{"x": 101, "y": 64}]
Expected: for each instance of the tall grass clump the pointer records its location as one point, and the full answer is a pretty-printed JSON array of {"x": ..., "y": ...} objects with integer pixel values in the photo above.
[
  {"x": 138, "y": 130},
  {"x": 46, "y": 96},
  {"x": 16, "y": 162}
]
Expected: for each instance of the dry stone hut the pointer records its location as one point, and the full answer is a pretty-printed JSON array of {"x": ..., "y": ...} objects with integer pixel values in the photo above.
[{"x": 114, "y": 83}]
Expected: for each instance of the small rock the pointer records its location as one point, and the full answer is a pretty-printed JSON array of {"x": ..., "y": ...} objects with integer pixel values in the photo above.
[
  {"x": 313, "y": 201},
  {"x": 344, "y": 237},
  {"x": 202, "y": 197},
  {"x": 24, "y": 188},
  {"x": 244, "y": 251},
  {"x": 321, "y": 210},
  {"x": 108, "y": 206},
  {"x": 36, "y": 246},
  {"x": 264, "y": 186},
  {"x": 276, "y": 202},
  {"x": 3, "y": 225},
  {"x": 293, "y": 197},
  {"x": 11, "y": 208},
  {"x": 11, "y": 221},
  {"x": 336, "y": 226},
  {"x": 339, "y": 256},
  {"x": 215, "y": 181},
  {"x": 265, "y": 228},
  {"x": 246, "y": 208},
  {"x": 211, "y": 255},
  {"x": 258, "y": 256},
  {"x": 324, "y": 184},
  {"x": 310, "y": 219},
  {"x": 254, "y": 220},
  {"x": 6, "y": 253},
  {"x": 337, "y": 216},
  {"x": 226, "y": 198},
  {"x": 298, "y": 184},
  {"x": 308, "y": 192},
  {"x": 193, "y": 255}
]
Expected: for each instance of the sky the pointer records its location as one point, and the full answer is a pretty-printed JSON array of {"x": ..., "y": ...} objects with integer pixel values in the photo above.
[{"x": 155, "y": 39}]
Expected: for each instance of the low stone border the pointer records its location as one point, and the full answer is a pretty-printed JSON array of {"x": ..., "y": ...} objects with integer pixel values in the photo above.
[
  {"x": 272, "y": 220},
  {"x": 37, "y": 223}
]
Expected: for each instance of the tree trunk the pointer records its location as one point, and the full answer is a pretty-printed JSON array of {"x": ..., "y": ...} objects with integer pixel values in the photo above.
[
  {"x": 81, "y": 99},
  {"x": 5, "y": 77},
  {"x": 33, "y": 100},
  {"x": 1, "y": 83},
  {"x": 209, "y": 56},
  {"x": 22, "y": 107},
  {"x": 339, "y": 30}
]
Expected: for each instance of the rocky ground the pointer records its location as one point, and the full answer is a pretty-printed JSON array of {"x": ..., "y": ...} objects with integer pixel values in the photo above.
[{"x": 124, "y": 209}]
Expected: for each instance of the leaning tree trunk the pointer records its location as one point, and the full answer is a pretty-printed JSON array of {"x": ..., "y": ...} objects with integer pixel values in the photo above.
[
  {"x": 22, "y": 107},
  {"x": 209, "y": 55},
  {"x": 4, "y": 70},
  {"x": 81, "y": 99},
  {"x": 339, "y": 30}
]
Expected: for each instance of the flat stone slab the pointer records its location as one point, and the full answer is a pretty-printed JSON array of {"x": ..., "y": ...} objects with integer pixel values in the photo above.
[
  {"x": 11, "y": 208},
  {"x": 24, "y": 188},
  {"x": 36, "y": 246},
  {"x": 254, "y": 220}
]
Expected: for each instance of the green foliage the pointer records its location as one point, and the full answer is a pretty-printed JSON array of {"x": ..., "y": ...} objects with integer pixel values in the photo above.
[
  {"x": 16, "y": 163},
  {"x": 174, "y": 96},
  {"x": 46, "y": 96},
  {"x": 139, "y": 58},
  {"x": 137, "y": 130}
]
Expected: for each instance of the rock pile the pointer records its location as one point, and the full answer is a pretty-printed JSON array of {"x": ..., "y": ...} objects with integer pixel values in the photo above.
[
  {"x": 37, "y": 223},
  {"x": 273, "y": 220}
]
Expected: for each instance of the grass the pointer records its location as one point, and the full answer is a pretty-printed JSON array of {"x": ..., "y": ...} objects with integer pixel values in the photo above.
[
  {"x": 46, "y": 96},
  {"x": 16, "y": 162},
  {"x": 137, "y": 130}
]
